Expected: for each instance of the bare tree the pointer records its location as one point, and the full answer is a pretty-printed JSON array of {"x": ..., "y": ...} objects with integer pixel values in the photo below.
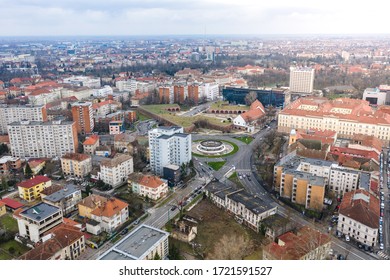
[
  {"x": 250, "y": 98},
  {"x": 231, "y": 247}
]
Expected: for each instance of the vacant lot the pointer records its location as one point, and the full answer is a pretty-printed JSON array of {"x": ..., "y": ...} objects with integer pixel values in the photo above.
[
  {"x": 215, "y": 226},
  {"x": 12, "y": 249},
  {"x": 8, "y": 223}
]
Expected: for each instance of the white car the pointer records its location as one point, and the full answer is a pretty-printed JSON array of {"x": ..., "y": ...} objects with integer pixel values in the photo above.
[{"x": 347, "y": 238}]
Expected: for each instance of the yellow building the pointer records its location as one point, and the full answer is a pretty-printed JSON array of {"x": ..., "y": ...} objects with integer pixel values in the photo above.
[
  {"x": 3, "y": 210},
  {"x": 36, "y": 165},
  {"x": 90, "y": 203},
  {"x": 31, "y": 189},
  {"x": 75, "y": 164}
]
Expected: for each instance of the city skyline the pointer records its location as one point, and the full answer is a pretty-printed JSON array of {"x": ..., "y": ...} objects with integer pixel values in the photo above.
[{"x": 172, "y": 17}]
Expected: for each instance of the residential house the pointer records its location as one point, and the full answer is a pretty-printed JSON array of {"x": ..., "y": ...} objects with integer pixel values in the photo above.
[
  {"x": 90, "y": 203},
  {"x": 9, "y": 164},
  {"x": 111, "y": 214},
  {"x": 306, "y": 244},
  {"x": 115, "y": 171},
  {"x": 90, "y": 144},
  {"x": 36, "y": 165},
  {"x": 31, "y": 189},
  {"x": 67, "y": 198},
  {"x": 3, "y": 209},
  {"x": 246, "y": 121},
  {"x": 149, "y": 186},
  {"x": 359, "y": 216},
  {"x": 64, "y": 242},
  {"x": 74, "y": 164}
]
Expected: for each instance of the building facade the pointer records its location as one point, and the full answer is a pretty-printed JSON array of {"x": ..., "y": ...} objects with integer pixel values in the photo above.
[
  {"x": 148, "y": 186},
  {"x": 31, "y": 189},
  {"x": 33, "y": 222},
  {"x": 74, "y": 164},
  {"x": 82, "y": 115},
  {"x": 116, "y": 171},
  {"x": 66, "y": 199},
  {"x": 168, "y": 145},
  {"x": 90, "y": 144},
  {"x": 12, "y": 113},
  {"x": 42, "y": 139},
  {"x": 345, "y": 116},
  {"x": 359, "y": 217},
  {"x": 301, "y": 79}
]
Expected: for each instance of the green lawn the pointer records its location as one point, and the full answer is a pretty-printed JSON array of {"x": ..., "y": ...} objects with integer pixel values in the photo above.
[
  {"x": 9, "y": 223},
  {"x": 216, "y": 165},
  {"x": 19, "y": 249},
  {"x": 142, "y": 117},
  {"x": 235, "y": 149},
  {"x": 225, "y": 106},
  {"x": 245, "y": 139}
]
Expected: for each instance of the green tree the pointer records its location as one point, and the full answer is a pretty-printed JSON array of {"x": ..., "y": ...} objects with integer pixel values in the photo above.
[
  {"x": 27, "y": 171},
  {"x": 4, "y": 184},
  {"x": 157, "y": 257}
]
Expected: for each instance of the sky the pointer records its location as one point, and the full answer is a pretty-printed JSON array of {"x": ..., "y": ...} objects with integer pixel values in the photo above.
[{"x": 187, "y": 17}]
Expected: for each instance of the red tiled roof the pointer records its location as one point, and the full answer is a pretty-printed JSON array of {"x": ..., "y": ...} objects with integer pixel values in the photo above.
[
  {"x": 76, "y": 156},
  {"x": 33, "y": 181},
  {"x": 255, "y": 111},
  {"x": 150, "y": 181},
  {"x": 12, "y": 203},
  {"x": 109, "y": 208},
  {"x": 91, "y": 140},
  {"x": 360, "y": 210}
]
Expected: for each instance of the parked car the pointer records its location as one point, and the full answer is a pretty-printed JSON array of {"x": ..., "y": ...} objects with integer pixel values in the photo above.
[{"x": 347, "y": 238}]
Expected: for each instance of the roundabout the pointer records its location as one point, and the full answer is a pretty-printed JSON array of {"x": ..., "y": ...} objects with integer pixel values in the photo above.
[{"x": 213, "y": 148}]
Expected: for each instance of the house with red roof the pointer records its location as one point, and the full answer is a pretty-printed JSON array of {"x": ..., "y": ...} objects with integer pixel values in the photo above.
[
  {"x": 10, "y": 204},
  {"x": 306, "y": 244},
  {"x": 246, "y": 121},
  {"x": 359, "y": 216},
  {"x": 31, "y": 189},
  {"x": 149, "y": 186},
  {"x": 90, "y": 144}
]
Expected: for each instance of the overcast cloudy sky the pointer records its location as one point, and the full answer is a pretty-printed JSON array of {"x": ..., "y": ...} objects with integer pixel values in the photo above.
[{"x": 157, "y": 17}]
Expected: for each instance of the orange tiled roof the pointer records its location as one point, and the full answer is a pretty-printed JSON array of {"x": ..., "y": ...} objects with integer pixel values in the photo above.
[
  {"x": 76, "y": 156},
  {"x": 150, "y": 181},
  {"x": 91, "y": 140},
  {"x": 109, "y": 208},
  {"x": 255, "y": 111}
]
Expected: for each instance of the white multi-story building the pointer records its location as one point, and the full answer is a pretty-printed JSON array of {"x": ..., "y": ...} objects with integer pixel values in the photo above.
[
  {"x": 83, "y": 81},
  {"x": 126, "y": 85},
  {"x": 67, "y": 198},
  {"x": 377, "y": 96},
  {"x": 116, "y": 171},
  {"x": 359, "y": 217},
  {"x": 12, "y": 113},
  {"x": 209, "y": 90},
  {"x": 301, "y": 79},
  {"x": 168, "y": 145},
  {"x": 343, "y": 179},
  {"x": 36, "y": 220},
  {"x": 103, "y": 92},
  {"x": 42, "y": 139}
]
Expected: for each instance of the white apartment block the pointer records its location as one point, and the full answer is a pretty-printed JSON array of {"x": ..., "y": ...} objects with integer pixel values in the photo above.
[
  {"x": 42, "y": 139},
  {"x": 210, "y": 91},
  {"x": 103, "y": 92},
  {"x": 359, "y": 217},
  {"x": 116, "y": 171},
  {"x": 301, "y": 80},
  {"x": 149, "y": 186},
  {"x": 36, "y": 220},
  {"x": 376, "y": 96},
  {"x": 168, "y": 145},
  {"x": 83, "y": 81},
  {"x": 343, "y": 179},
  {"x": 11, "y": 113},
  {"x": 126, "y": 85}
]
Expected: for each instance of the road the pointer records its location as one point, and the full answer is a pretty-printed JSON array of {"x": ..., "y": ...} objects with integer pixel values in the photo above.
[
  {"x": 198, "y": 109},
  {"x": 386, "y": 191}
]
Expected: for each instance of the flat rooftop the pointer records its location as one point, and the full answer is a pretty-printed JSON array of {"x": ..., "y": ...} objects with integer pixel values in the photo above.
[
  {"x": 136, "y": 244},
  {"x": 40, "y": 211},
  {"x": 61, "y": 194}
]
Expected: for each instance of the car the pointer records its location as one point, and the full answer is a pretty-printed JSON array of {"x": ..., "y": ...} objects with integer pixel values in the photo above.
[
  {"x": 137, "y": 221},
  {"x": 340, "y": 257},
  {"x": 360, "y": 245},
  {"x": 347, "y": 238},
  {"x": 249, "y": 178},
  {"x": 382, "y": 205},
  {"x": 331, "y": 252},
  {"x": 173, "y": 208},
  {"x": 382, "y": 246},
  {"x": 123, "y": 232}
]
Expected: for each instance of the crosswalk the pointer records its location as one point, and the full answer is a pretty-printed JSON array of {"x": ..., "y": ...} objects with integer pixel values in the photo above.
[{"x": 383, "y": 255}]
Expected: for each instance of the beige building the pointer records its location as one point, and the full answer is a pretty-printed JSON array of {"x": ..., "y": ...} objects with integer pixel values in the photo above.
[
  {"x": 301, "y": 79},
  {"x": 149, "y": 186},
  {"x": 90, "y": 144},
  {"x": 74, "y": 164},
  {"x": 345, "y": 116},
  {"x": 115, "y": 171}
]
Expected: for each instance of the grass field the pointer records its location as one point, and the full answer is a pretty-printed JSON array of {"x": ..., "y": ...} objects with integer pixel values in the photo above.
[
  {"x": 142, "y": 117},
  {"x": 19, "y": 249},
  {"x": 9, "y": 223},
  {"x": 245, "y": 139},
  {"x": 225, "y": 106},
  {"x": 216, "y": 165},
  {"x": 160, "y": 109}
]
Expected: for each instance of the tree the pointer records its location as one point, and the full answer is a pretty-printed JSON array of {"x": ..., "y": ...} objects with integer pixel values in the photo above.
[
  {"x": 4, "y": 184},
  {"x": 250, "y": 98},
  {"x": 231, "y": 247},
  {"x": 157, "y": 257},
  {"x": 27, "y": 171}
]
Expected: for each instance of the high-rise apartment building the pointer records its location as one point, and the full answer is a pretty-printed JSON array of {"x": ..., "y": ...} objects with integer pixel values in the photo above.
[
  {"x": 301, "y": 79},
  {"x": 82, "y": 115},
  {"x": 12, "y": 113},
  {"x": 168, "y": 145},
  {"x": 42, "y": 139}
]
